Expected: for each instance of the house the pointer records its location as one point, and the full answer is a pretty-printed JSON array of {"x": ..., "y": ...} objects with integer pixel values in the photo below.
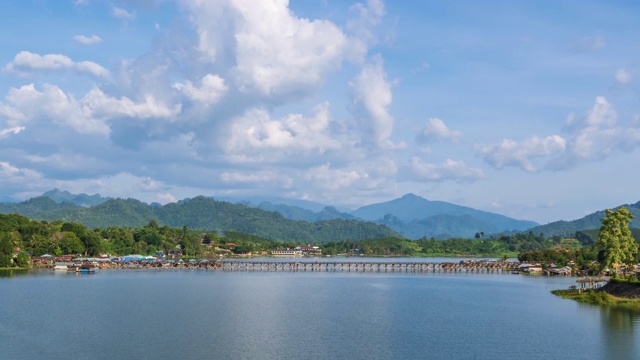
[
  {"x": 286, "y": 252},
  {"x": 535, "y": 269},
  {"x": 555, "y": 271},
  {"x": 529, "y": 268},
  {"x": 309, "y": 250}
]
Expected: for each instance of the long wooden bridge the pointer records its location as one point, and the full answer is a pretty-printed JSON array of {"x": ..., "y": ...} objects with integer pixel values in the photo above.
[{"x": 369, "y": 267}]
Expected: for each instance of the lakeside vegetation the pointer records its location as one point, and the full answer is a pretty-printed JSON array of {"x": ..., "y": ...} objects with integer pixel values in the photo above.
[
  {"x": 619, "y": 293},
  {"x": 38, "y": 237},
  {"x": 62, "y": 238},
  {"x": 199, "y": 213},
  {"x": 601, "y": 298}
]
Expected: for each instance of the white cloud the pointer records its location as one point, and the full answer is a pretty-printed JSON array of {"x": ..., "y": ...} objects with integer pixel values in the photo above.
[
  {"x": 124, "y": 185},
  {"x": 122, "y": 14},
  {"x": 165, "y": 198},
  {"x": 436, "y": 129},
  {"x": 592, "y": 137},
  {"x": 88, "y": 115},
  {"x": 12, "y": 115},
  {"x": 360, "y": 28},
  {"x": 370, "y": 93},
  {"x": 513, "y": 153},
  {"x": 13, "y": 130},
  {"x": 335, "y": 179},
  {"x": 240, "y": 178},
  {"x": 26, "y": 62},
  {"x": 623, "y": 77},
  {"x": 448, "y": 170},
  {"x": 53, "y": 104},
  {"x": 273, "y": 53},
  {"x": 256, "y": 137},
  {"x": 12, "y": 175},
  {"x": 602, "y": 113},
  {"x": 99, "y": 105},
  {"x": 87, "y": 40},
  {"x": 211, "y": 90}
]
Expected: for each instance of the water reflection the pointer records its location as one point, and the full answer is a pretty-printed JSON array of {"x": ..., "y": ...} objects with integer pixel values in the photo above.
[
  {"x": 13, "y": 273},
  {"x": 619, "y": 332}
]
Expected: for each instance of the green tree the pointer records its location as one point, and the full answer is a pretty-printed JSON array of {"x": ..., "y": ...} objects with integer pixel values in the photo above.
[
  {"x": 71, "y": 244},
  {"x": 615, "y": 238},
  {"x": 92, "y": 243},
  {"x": 22, "y": 260},
  {"x": 6, "y": 251}
]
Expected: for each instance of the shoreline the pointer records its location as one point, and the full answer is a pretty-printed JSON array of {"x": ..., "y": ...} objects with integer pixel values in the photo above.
[{"x": 617, "y": 294}]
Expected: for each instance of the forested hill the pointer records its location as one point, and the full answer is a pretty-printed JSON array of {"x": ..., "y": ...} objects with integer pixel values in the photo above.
[
  {"x": 589, "y": 222},
  {"x": 199, "y": 213},
  {"x": 415, "y": 217}
]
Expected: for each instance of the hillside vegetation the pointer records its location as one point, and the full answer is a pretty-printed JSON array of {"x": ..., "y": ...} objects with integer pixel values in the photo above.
[
  {"x": 589, "y": 222},
  {"x": 199, "y": 213}
]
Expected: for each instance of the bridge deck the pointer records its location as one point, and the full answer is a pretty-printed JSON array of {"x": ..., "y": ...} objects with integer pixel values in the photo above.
[{"x": 347, "y": 266}]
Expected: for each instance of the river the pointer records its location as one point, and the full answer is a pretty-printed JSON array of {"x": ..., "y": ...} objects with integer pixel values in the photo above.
[{"x": 197, "y": 314}]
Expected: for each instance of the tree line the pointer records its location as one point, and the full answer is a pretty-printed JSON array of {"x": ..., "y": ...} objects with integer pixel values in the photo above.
[
  {"x": 70, "y": 238},
  {"x": 613, "y": 244}
]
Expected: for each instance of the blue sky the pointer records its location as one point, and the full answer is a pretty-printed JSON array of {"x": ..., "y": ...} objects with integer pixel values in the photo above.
[{"x": 525, "y": 108}]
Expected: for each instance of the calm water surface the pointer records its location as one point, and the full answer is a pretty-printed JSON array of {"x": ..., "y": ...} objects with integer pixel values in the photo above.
[{"x": 191, "y": 314}]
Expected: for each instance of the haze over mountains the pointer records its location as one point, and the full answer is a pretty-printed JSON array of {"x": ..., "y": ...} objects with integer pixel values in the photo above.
[{"x": 410, "y": 216}]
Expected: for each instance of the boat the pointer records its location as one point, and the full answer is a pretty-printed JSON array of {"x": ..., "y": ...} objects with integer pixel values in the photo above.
[{"x": 86, "y": 268}]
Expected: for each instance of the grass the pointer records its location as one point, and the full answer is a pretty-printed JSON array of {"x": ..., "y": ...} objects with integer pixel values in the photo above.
[{"x": 599, "y": 298}]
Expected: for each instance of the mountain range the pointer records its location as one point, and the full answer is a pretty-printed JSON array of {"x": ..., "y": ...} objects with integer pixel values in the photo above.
[
  {"x": 199, "y": 213},
  {"x": 589, "y": 222},
  {"x": 410, "y": 216}
]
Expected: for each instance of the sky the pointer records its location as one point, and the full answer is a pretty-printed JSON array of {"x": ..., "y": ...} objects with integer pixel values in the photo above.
[{"x": 530, "y": 109}]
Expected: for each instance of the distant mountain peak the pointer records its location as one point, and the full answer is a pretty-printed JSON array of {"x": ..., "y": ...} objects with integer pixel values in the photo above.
[
  {"x": 61, "y": 196},
  {"x": 415, "y": 216},
  {"x": 412, "y": 196}
]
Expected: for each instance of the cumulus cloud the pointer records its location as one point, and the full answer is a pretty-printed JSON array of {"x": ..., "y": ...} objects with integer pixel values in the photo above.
[
  {"x": 12, "y": 175},
  {"x": 89, "y": 115},
  {"x": 596, "y": 136},
  {"x": 87, "y": 40},
  {"x": 273, "y": 53},
  {"x": 99, "y": 105},
  {"x": 53, "y": 104},
  {"x": 227, "y": 88},
  {"x": 521, "y": 154},
  {"x": 361, "y": 36},
  {"x": 26, "y": 63},
  {"x": 435, "y": 130},
  {"x": 448, "y": 170},
  {"x": 371, "y": 95},
  {"x": 335, "y": 179},
  {"x": 211, "y": 90},
  {"x": 256, "y": 137},
  {"x": 592, "y": 137}
]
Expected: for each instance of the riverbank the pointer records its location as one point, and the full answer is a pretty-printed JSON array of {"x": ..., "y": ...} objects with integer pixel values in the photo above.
[{"x": 617, "y": 293}]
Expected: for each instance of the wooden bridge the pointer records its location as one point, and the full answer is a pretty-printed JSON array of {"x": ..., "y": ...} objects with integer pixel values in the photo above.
[{"x": 369, "y": 267}]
